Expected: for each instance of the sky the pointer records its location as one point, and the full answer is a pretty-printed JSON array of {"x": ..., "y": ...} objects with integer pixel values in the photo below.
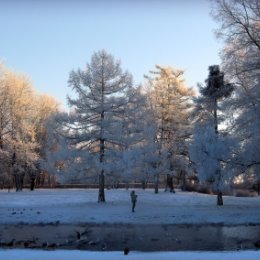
[{"x": 47, "y": 39}]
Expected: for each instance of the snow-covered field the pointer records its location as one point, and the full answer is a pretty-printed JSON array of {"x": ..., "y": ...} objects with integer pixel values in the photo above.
[
  {"x": 83, "y": 255},
  {"x": 80, "y": 206}
]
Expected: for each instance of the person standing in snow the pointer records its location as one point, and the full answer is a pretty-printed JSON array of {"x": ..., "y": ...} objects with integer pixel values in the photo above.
[{"x": 133, "y": 200}]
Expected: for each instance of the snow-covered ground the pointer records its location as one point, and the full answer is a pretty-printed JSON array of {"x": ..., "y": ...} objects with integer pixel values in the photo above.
[
  {"x": 83, "y": 255},
  {"x": 80, "y": 206}
]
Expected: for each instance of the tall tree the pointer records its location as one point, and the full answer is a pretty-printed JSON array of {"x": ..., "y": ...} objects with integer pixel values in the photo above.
[
  {"x": 17, "y": 131},
  {"x": 210, "y": 148},
  {"x": 45, "y": 107},
  {"x": 102, "y": 95},
  {"x": 171, "y": 102},
  {"x": 239, "y": 28},
  {"x": 20, "y": 124}
]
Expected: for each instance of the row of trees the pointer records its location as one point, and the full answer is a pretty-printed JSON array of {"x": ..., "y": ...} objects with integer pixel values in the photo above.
[
  {"x": 161, "y": 127},
  {"x": 121, "y": 131},
  {"x": 23, "y": 114}
]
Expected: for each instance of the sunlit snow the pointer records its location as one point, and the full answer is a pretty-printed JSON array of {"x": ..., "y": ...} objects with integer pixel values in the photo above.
[{"x": 77, "y": 206}]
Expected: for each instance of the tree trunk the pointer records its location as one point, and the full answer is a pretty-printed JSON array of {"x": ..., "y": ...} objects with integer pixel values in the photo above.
[
  {"x": 156, "y": 184},
  {"x": 183, "y": 178},
  {"x": 219, "y": 199},
  {"x": 218, "y": 172},
  {"x": 1, "y": 142},
  {"x": 101, "y": 186},
  {"x": 32, "y": 184},
  {"x": 43, "y": 179},
  {"x": 19, "y": 181},
  {"x": 169, "y": 183},
  {"x": 218, "y": 180},
  {"x": 9, "y": 182},
  {"x": 22, "y": 178},
  {"x": 101, "y": 192},
  {"x": 49, "y": 180},
  {"x": 215, "y": 115}
]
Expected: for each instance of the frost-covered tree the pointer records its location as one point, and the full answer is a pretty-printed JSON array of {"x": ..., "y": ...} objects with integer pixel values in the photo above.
[
  {"x": 139, "y": 132},
  {"x": 101, "y": 96},
  {"x": 21, "y": 118},
  {"x": 210, "y": 149},
  {"x": 239, "y": 28},
  {"x": 60, "y": 157},
  {"x": 171, "y": 103},
  {"x": 17, "y": 135},
  {"x": 45, "y": 107},
  {"x": 211, "y": 152}
]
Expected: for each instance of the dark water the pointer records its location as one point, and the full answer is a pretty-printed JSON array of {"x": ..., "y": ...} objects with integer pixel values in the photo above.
[
  {"x": 215, "y": 237},
  {"x": 136, "y": 237},
  {"x": 187, "y": 237}
]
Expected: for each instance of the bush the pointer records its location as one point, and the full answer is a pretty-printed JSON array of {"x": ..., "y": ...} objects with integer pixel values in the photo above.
[
  {"x": 198, "y": 188},
  {"x": 204, "y": 189},
  {"x": 244, "y": 193},
  {"x": 189, "y": 187}
]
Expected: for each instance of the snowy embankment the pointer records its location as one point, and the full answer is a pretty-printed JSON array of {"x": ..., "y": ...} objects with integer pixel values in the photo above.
[
  {"x": 83, "y": 255},
  {"x": 80, "y": 206}
]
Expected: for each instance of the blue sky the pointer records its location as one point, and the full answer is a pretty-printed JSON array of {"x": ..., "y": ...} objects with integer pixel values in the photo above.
[{"x": 47, "y": 39}]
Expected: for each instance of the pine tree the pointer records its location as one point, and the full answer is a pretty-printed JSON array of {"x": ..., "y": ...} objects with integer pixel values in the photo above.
[
  {"x": 209, "y": 147},
  {"x": 99, "y": 106}
]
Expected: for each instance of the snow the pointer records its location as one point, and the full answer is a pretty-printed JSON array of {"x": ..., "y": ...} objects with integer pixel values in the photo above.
[
  {"x": 26, "y": 254},
  {"x": 80, "y": 206}
]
